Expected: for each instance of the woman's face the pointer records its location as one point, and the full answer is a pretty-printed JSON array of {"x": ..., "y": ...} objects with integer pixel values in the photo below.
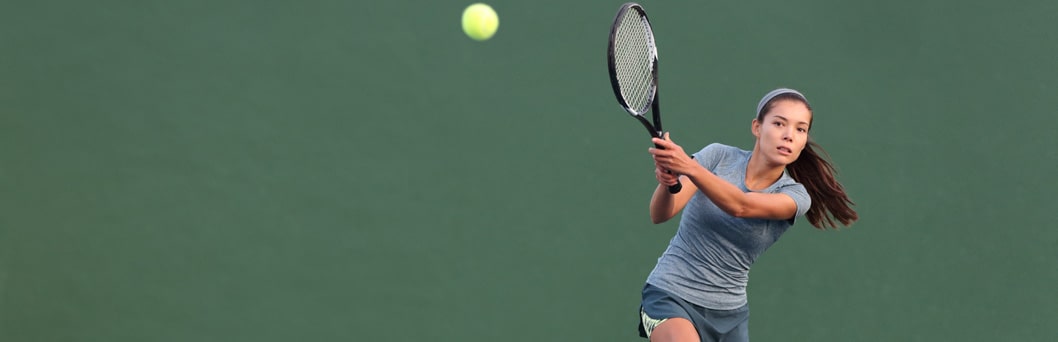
[{"x": 784, "y": 131}]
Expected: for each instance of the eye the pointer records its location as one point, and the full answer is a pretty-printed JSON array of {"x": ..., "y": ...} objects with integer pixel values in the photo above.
[
  {"x": 777, "y": 124},
  {"x": 802, "y": 130}
]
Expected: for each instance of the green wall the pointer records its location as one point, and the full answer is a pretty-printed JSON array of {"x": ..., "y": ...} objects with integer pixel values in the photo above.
[{"x": 361, "y": 171}]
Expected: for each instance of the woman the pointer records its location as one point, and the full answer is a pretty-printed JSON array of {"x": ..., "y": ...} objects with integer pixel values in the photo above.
[{"x": 735, "y": 205}]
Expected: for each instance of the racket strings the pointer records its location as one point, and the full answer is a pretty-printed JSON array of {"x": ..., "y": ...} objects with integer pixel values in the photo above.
[{"x": 634, "y": 61}]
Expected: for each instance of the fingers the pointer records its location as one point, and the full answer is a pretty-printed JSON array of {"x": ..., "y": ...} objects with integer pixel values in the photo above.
[
  {"x": 662, "y": 158},
  {"x": 666, "y": 143},
  {"x": 664, "y": 153},
  {"x": 664, "y": 177},
  {"x": 667, "y": 156},
  {"x": 673, "y": 160}
]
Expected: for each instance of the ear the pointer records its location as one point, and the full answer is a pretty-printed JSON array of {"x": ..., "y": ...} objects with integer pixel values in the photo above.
[{"x": 755, "y": 128}]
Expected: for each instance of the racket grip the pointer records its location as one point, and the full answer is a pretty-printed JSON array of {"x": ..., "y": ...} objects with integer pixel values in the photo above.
[{"x": 675, "y": 188}]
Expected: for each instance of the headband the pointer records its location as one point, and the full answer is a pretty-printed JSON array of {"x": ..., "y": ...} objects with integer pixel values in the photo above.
[{"x": 772, "y": 94}]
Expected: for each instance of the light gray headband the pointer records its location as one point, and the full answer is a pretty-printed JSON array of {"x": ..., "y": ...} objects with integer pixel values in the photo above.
[{"x": 772, "y": 94}]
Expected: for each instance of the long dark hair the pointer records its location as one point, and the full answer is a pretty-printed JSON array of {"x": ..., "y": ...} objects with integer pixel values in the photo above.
[{"x": 814, "y": 170}]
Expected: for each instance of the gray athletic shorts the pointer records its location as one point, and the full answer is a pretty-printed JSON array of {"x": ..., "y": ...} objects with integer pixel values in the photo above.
[{"x": 712, "y": 325}]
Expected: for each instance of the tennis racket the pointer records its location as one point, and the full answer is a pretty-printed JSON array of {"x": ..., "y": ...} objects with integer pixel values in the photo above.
[{"x": 633, "y": 61}]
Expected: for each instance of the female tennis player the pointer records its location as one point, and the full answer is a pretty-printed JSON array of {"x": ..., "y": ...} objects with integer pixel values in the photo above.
[{"x": 735, "y": 204}]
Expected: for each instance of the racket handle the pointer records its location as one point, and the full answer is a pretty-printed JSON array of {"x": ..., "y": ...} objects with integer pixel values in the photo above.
[{"x": 675, "y": 188}]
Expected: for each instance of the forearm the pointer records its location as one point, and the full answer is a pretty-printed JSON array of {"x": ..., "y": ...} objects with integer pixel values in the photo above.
[
  {"x": 726, "y": 196},
  {"x": 661, "y": 205}
]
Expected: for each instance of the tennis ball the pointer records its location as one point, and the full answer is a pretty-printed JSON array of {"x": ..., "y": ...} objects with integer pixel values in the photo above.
[{"x": 480, "y": 21}]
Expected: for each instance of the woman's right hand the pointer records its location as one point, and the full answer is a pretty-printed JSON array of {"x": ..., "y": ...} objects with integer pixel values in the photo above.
[{"x": 665, "y": 177}]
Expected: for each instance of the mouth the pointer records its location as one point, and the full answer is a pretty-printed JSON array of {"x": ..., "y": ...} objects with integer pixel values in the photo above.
[{"x": 784, "y": 150}]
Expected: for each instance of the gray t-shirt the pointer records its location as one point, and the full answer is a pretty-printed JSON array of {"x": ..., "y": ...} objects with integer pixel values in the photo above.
[{"x": 707, "y": 262}]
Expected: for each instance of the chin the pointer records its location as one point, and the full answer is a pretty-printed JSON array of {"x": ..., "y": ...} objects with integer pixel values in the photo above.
[
  {"x": 779, "y": 160},
  {"x": 785, "y": 160}
]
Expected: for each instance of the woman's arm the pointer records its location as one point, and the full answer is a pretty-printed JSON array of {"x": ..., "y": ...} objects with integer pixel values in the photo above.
[
  {"x": 725, "y": 195},
  {"x": 665, "y": 205},
  {"x": 736, "y": 203}
]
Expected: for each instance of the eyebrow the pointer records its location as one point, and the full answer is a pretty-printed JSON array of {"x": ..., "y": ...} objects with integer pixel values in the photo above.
[{"x": 785, "y": 119}]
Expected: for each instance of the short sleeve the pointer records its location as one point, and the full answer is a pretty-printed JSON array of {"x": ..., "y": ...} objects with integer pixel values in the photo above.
[
  {"x": 710, "y": 156},
  {"x": 800, "y": 196}
]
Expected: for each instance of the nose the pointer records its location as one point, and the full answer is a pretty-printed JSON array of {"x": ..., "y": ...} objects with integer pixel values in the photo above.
[{"x": 788, "y": 134}]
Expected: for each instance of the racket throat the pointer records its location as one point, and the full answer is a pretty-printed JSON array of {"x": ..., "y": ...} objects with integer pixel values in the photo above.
[{"x": 650, "y": 127}]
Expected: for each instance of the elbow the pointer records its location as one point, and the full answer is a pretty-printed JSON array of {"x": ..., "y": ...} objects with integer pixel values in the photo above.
[
  {"x": 659, "y": 217},
  {"x": 739, "y": 212},
  {"x": 737, "y": 207}
]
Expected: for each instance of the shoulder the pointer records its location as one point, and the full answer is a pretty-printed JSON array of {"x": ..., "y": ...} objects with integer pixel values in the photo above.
[
  {"x": 716, "y": 154},
  {"x": 787, "y": 185},
  {"x": 719, "y": 149}
]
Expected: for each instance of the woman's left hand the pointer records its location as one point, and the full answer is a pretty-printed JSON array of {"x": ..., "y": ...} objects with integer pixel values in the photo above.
[{"x": 672, "y": 157}]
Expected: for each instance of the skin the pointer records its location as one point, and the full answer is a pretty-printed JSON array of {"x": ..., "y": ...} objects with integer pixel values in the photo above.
[{"x": 780, "y": 138}]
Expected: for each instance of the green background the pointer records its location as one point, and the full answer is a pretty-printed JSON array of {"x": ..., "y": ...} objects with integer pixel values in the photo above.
[{"x": 362, "y": 171}]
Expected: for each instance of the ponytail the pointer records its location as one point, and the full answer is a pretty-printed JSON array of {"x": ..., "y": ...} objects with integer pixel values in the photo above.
[{"x": 829, "y": 200}]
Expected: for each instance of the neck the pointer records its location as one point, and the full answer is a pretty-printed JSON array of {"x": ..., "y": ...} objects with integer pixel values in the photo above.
[{"x": 761, "y": 174}]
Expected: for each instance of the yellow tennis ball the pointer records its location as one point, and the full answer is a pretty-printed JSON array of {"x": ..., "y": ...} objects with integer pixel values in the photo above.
[{"x": 480, "y": 21}]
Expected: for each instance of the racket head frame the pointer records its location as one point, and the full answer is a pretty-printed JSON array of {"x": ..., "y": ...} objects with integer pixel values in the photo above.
[{"x": 654, "y": 128}]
